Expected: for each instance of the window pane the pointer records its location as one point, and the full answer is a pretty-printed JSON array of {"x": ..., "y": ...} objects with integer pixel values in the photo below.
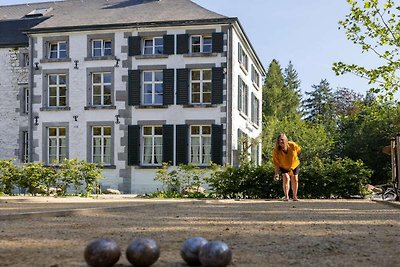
[
  {"x": 107, "y": 77},
  {"x": 148, "y": 50},
  {"x": 96, "y": 78},
  {"x": 158, "y": 99},
  {"x": 195, "y": 75},
  {"x": 195, "y": 40},
  {"x": 206, "y": 87},
  {"x": 158, "y": 76},
  {"x": 148, "y": 76},
  {"x": 158, "y": 130},
  {"x": 195, "y": 129},
  {"x": 196, "y": 98},
  {"x": 158, "y": 41},
  {"x": 148, "y": 88},
  {"x": 206, "y": 130},
  {"x": 195, "y": 87},
  {"x": 96, "y": 90},
  {"x": 147, "y": 99},
  {"x": 159, "y": 88},
  {"x": 52, "y": 91},
  {"x": 52, "y": 79},
  {"x": 107, "y": 89},
  {"x": 206, "y": 97},
  {"x": 107, "y": 100},
  {"x": 207, "y": 75}
]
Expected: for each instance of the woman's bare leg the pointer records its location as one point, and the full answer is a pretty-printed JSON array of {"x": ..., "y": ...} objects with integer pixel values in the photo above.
[
  {"x": 286, "y": 185},
  {"x": 295, "y": 185}
]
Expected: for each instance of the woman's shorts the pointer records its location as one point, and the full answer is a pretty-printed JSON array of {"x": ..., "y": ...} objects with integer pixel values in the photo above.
[{"x": 295, "y": 170}]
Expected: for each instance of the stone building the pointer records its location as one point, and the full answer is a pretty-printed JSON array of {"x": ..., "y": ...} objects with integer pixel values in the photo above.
[{"x": 130, "y": 84}]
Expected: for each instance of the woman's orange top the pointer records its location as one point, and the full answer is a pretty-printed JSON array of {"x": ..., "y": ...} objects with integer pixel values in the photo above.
[{"x": 288, "y": 160}]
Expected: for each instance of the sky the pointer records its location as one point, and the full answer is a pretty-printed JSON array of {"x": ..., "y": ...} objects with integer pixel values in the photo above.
[{"x": 305, "y": 32}]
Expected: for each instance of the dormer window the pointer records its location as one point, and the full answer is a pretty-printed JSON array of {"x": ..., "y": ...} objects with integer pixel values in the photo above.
[{"x": 38, "y": 12}]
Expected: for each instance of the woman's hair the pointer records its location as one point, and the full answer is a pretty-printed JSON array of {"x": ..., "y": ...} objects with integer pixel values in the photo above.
[{"x": 281, "y": 135}]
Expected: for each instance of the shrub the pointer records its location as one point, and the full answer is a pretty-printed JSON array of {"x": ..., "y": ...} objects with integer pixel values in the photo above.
[
  {"x": 339, "y": 178},
  {"x": 9, "y": 176}
]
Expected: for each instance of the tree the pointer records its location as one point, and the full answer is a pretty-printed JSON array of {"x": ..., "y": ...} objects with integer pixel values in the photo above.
[
  {"x": 319, "y": 106},
  {"x": 292, "y": 86},
  {"x": 346, "y": 101},
  {"x": 374, "y": 26},
  {"x": 272, "y": 91},
  {"x": 364, "y": 134}
]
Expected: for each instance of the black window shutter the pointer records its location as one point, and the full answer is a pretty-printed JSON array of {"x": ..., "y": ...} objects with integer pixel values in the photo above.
[
  {"x": 182, "y": 90},
  {"x": 182, "y": 142},
  {"x": 216, "y": 144},
  {"x": 168, "y": 144},
  {"x": 218, "y": 42},
  {"x": 217, "y": 85},
  {"x": 134, "y": 45},
  {"x": 133, "y": 145},
  {"x": 168, "y": 84},
  {"x": 182, "y": 44},
  {"x": 169, "y": 44},
  {"x": 134, "y": 87}
]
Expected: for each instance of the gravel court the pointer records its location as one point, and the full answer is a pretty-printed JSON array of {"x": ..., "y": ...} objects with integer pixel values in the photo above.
[{"x": 55, "y": 231}]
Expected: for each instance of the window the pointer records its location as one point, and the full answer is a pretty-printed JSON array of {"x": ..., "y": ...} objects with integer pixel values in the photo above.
[
  {"x": 25, "y": 147},
  {"x": 243, "y": 96},
  {"x": 153, "y": 46},
  {"x": 101, "y": 89},
  {"x": 25, "y": 59},
  {"x": 101, "y": 144},
  {"x": 200, "y": 144},
  {"x": 152, "y": 145},
  {"x": 57, "y": 149},
  {"x": 255, "y": 76},
  {"x": 26, "y": 100},
  {"x": 200, "y": 84},
  {"x": 201, "y": 44},
  {"x": 57, "y": 50},
  {"x": 242, "y": 58},
  {"x": 57, "y": 90},
  {"x": 101, "y": 47},
  {"x": 255, "y": 109},
  {"x": 153, "y": 89}
]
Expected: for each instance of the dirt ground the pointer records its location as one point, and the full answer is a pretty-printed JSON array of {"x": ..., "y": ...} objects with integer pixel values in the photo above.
[{"x": 37, "y": 231}]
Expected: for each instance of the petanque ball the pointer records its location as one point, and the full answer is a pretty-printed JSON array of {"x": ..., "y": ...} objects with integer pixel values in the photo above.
[
  {"x": 143, "y": 252},
  {"x": 102, "y": 252},
  {"x": 215, "y": 254},
  {"x": 191, "y": 248}
]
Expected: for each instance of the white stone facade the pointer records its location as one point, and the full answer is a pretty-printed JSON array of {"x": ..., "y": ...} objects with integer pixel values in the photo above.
[{"x": 66, "y": 119}]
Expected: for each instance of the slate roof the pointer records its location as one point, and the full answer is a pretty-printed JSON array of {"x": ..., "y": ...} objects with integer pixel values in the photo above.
[
  {"x": 85, "y": 13},
  {"x": 12, "y": 31}
]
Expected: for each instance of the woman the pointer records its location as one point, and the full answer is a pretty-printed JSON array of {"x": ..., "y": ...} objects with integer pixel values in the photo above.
[{"x": 286, "y": 160}]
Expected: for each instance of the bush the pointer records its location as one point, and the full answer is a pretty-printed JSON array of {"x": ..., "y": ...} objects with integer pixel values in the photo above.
[
  {"x": 340, "y": 178},
  {"x": 246, "y": 181},
  {"x": 9, "y": 176},
  {"x": 39, "y": 179}
]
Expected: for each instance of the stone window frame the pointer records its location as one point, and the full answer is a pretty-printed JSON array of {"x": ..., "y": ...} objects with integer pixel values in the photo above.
[
  {"x": 90, "y": 71},
  {"x": 89, "y": 148},
  {"x": 104, "y": 36},
  {"x": 45, "y": 89},
  {"x": 45, "y": 139},
  {"x": 46, "y": 49}
]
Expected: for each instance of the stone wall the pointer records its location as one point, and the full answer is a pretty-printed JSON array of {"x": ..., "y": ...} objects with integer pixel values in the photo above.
[{"x": 13, "y": 79}]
